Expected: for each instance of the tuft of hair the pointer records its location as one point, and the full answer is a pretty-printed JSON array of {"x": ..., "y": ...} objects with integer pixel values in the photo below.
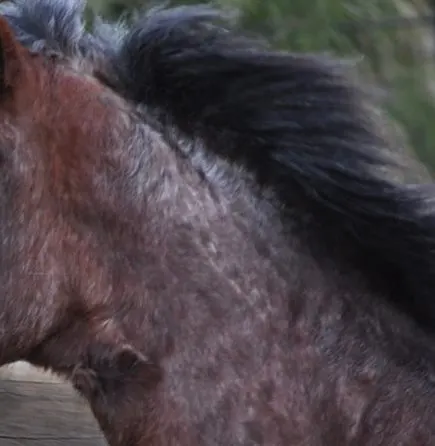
[
  {"x": 295, "y": 121},
  {"x": 43, "y": 25}
]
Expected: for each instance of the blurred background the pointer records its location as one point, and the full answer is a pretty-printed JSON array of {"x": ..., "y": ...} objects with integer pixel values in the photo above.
[{"x": 393, "y": 40}]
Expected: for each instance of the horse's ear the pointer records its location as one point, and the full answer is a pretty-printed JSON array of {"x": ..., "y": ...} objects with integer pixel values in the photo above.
[{"x": 11, "y": 55}]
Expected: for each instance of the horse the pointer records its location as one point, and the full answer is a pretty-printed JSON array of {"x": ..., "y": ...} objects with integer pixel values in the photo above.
[{"x": 207, "y": 237}]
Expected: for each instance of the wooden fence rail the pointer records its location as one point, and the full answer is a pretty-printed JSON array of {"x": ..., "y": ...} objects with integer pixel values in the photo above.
[{"x": 37, "y": 409}]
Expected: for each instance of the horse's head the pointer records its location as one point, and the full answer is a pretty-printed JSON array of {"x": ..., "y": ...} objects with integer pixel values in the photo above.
[{"x": 64, "y": 188}]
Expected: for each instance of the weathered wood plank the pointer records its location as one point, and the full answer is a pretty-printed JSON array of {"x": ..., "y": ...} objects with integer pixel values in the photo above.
[{"x": 37, "y": 409}]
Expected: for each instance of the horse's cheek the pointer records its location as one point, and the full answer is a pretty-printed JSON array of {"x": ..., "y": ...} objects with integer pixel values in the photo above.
[{"x": 32, "y": 291}]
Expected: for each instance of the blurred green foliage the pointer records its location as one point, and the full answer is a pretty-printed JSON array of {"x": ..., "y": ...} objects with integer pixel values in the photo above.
[{"x": 395, "y": 38}]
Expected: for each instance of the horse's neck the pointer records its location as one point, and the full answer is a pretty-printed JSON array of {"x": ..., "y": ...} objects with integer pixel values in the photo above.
[
  {"x": 219, "y": 276},
  {"x": 217, "y": 260},
  {"x": 228, "y": 281},
  {"x": 234, "y": 308}
]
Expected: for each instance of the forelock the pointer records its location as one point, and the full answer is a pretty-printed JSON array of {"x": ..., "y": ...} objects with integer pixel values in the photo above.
[{"x": 48, "y": 25}]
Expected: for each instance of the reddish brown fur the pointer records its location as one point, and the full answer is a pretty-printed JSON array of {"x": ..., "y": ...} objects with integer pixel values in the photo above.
[
  {"x": 185, "y": 318},
  {"x": 52, "y": 182},
  {"x": 57, "y": 200}
]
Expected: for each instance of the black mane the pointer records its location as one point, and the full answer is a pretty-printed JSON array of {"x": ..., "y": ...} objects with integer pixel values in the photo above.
[{"x": 296, "y": 121}]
